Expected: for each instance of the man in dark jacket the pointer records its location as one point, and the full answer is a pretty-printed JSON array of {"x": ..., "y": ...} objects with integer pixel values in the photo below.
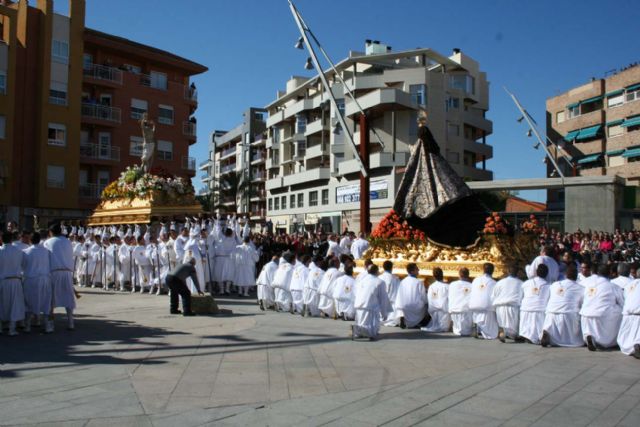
[{"x": 176, "y": 281}]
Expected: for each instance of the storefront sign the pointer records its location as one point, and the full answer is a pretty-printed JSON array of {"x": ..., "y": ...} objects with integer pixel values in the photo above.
[{"x": 351, "y": 193}]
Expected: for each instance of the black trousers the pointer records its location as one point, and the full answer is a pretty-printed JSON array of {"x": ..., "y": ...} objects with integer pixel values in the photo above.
[{"x": 179, "y": 287}]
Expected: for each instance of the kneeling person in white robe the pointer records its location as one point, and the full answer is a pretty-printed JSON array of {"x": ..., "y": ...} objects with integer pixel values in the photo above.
[
  {"x": 438, "y": 304},
  {"x": 601, "y": 310},
  {"x": 300, "y": 273},
  {"x": 459, "y": 294},
  {"x": 310, "y": 292},
  {"x": 506, "y": 298},
  {"x": 411, "y": 302},
  {"x": 629, "y": 335},
  {"x": 343, "y": 294},
  {"x": 266, "y": 296},
  {"x": 535, "y": 295},
  {"x": 282, "y": 281},
  {"x": 485, "y": 323},
  {"x": 325, "y": 289},
  {"x": 562, "y": 317},
  {"x": 371, "y": 305}
]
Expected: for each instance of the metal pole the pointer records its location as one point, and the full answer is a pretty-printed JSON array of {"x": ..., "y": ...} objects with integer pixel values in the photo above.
[{"x": 365, "y": 197}]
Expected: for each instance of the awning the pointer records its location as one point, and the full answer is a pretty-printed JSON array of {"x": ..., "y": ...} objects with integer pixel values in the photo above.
[
  {"x": 589, "y": 100},
  {"x": 590, "y": 159},
  {"x": 615, "y": 93},
  {"x": 613, "y": 153},
  {"x": 631, "y": 153},
  {"x": 590, "y": 132},
  {"x": 615, "y": 122},
  {"x": 631, "y": 121},
  {"x": 573, "y": 104},
  {"x": 633, "y": 87},
  {"x": 571, "y": 135}
]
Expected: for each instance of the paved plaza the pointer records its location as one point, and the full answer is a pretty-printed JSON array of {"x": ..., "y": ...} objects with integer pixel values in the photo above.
[{"x": 130, "y": 363}]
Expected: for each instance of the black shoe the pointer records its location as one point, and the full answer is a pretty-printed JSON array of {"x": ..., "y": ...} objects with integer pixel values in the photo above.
[
  {"x": 501, "y": 335},
  {"x": 636, "y": 351},
  {"x": 403, "y": 325},
  {"x": 175, "y": 312},
  {"x": 261, "y": 304},
  {"x": 189, "y": 313},
  {"x": 474, "y": 330},
  {"x": 545, "y": 340},
  {"x": 591, "y": 343},
  {"x": 519, "y": 339}
]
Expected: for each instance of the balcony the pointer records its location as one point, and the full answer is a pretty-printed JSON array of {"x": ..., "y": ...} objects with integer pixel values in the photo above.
[
  {"x": 228, "y": 200},
  {"x": 315, "y": 127},
  {"x": 258, "y": 195},
  {"x": 90, "y": 191},
  {"x": 228, "y": 168},
  {"x": 259, "y": 176},
  {"x": 191, "y": 94},
  {"x": 101, "y": 74},
  {"x": 376, "y": 160},
  {"x": 383, "y": 100},
  {"x": 258, "y": 158},
  {"x": 272, "y": 163},
  {"x": 275, "y": 118},
  {"x": 227, "y": 153},
  {"x": 204, "y": 165},
  {"x": 478, "y": 148},
  {"x": 189, "y": 164},
  {"x": 259, "y": 214},
  {"x": 298, "y": 107},
  {"x": 477, "y": 174},
  {"x": 307, "y": 176},
  {"x": 273, "y": 183},
  {"x": 99, "y": 152},
  {"x": 318, "y": 150},
  {"x": 189, "y": 129},
  {"x": 101, "y": 114}
]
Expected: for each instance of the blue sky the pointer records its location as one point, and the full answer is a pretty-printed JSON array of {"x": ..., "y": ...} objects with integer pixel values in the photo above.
[{"x": 535, "y": 48}]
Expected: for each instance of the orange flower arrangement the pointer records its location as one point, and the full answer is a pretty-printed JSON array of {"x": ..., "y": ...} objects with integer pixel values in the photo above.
[
  {"x": 392, "y": 226},
  {"x": 495, "y": 225},
  {"x": 532, "y": 226}
]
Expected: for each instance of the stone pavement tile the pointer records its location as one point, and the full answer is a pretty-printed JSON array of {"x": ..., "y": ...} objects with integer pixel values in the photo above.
[
  {"x": 264, "y": 418},
  {"x": 350, "y": 422},
  {"x": 186, "y": 403},
  {"x": 74, "y": 423},
  {"x": 516, "y": 392},
  {"x": 136, "y": 421},
  {"x": 631, "y": 420},
  {"x": 568, "y": 415},
  {"x": 490, "y": 407},
  {"x": 454, "y": 418},
  {"x": 238, "y": 395},
  {"x": 617, "y": 411},
  {"x": 196, "y": 417},
  {"x": 381, "y": 410},
  {"x": 153, "y": 403},
  {"x": 530, "y": 415},
  {"x": 328, "y": 373}
]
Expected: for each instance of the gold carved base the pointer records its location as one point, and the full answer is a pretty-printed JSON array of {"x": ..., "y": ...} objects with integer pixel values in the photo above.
[{"x": 501, "y": 251}]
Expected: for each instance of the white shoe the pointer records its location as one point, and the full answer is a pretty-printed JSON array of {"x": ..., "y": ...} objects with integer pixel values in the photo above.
[
  {"x": 48, "y": 329},
  {"x": 12, "y": 329}
]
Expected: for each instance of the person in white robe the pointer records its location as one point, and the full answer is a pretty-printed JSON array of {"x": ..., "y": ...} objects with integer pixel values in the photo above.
[
  {"x": 245, "y": 258},
  {"x": 438, "y": 304},
  {"x": 153, "y": 254},
  {"x": 345, "y": 244},
  {"x": 311, "y": 297},
  {"x": 506, "y": 298},
  {"x": 359, "y": 246},
  {"x": 411, "y": 301},
  {"x": 334, "y": 247},
  {"x": 601, "y": 310},
  {"x": 180, "y": 242},
  {"x": 343, "y": 294},
  {"x": 535, "y": 296},
  {"x": 12, "y": 307},
  {"x": 37, "y": 282},
  {"x": 629, "y": 333},
  {"x": 562, "y": 316},
  {"x": 298, "y": 279},
  {"x": 392, "y": 282},
  {"x": 126, "y": 263},
  {"x": 485, "y": 322},
  {"x": 367, "y": 263},
  {"x": 266, "y": 296},
  {"x": 164, "y": 254},
  {"x": 326, "y": 303},
  {"x": 61, "y": 262},
  {"x": 282, "y": 281},
  {"x": 79, "y": 261},
  {"x": 144, "y": 268},
  {"x": 110, "y": 250},
  {"x": 459, "y": 295},
  {"x": 96, "y": 265},
  {"x": 585, "y": 271},
  {"x": 624, "y": 275},
  {"x": 224, "y": 272},
  {"x": 192, "y": 250},
  {"x": 546, "y": 257},
  {"x": 371, "y": 304}
]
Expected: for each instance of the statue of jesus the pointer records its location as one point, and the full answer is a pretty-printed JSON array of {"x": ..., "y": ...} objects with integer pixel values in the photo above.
[{"x": 148, "y": 143}]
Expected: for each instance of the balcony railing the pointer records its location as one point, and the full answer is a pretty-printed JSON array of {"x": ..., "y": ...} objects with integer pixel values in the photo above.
[
  {"x": 227, "y": 168},
  {"x": 90, "y": 191},
  {"x": 189, "y": 128},
  {"x": 99, "y": 152},
  {"x": 204, "y": 163},
  {"x": 190, "y": 94},
  {"x": 228, "y": 152},
  {"x": 102, "y": 72},
  {"x": 259, "y": 176},
  {"x": 188, "y": 163},
  {"x": 258, "y": 157},
  {"x": 101, "y": 112}
]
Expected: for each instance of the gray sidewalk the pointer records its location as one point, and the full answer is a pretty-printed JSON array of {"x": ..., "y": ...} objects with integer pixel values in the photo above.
[{"x": 130, "y": 363}]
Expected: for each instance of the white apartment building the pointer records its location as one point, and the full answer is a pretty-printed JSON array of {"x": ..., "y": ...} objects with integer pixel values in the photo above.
[{"x": 312, "y": 175}]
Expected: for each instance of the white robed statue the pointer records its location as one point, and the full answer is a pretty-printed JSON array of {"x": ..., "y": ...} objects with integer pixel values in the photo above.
[{"x": 148, "y": 142}]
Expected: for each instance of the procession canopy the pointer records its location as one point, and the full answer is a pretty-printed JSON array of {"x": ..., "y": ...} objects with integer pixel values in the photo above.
[{"x": 434, "y": 199}]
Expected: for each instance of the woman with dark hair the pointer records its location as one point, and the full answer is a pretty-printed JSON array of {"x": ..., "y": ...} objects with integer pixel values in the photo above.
[{"x": 434, "y": 199}]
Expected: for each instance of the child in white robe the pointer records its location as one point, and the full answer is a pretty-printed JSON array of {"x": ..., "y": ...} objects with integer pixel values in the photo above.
[
  {"x": 438, "y": 304},
  {"x": 371, "y": 305},
  {"x": 562, "y": 316}
]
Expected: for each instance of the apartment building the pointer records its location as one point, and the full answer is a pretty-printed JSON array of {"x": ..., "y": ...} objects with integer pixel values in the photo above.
[
  {"x": 236, "y": 171},
  {"x": 70, "y": 103},
  {"x": 597, "y": 127},
  {"x": 313, "y": 176}
]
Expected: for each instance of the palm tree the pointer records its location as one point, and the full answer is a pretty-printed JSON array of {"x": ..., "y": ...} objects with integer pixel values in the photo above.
[{"x": 230, "y": 186}]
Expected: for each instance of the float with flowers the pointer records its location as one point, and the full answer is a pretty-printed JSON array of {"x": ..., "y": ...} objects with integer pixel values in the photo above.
[
  {"x": 137, "y": 197},
  {"x": 395, "y": 240}
]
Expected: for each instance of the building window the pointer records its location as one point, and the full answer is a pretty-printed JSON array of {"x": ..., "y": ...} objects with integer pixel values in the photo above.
[
  {"x": 452, "y": 103},
  {"x": 87, "y": 61},
  {"x": 58, "y": 93},
  {"x": 60, "y": 52},
  {"x": 283, "y": 202},
  {"x": 560, "y": 116},
  {"x": 292, "y": 200},
  {"x": 301, "y": 123},
  {"x": 313, "y": 198},
  {"x": 158, "y": 80},
  {"x": 469, "y": 158},
  {"x": 574, "y": 111},
  {"x": 633, "y": 95},
  {"x": 138, "y": 108},
  {"x": 135, "y": 146},
  {"x": 57, "y": 134},
  {"x": 413, "y": 124},
  {"x": 270, "y": 202},
  {"x": 614, "y": 101},
  {"x": 3, "y": 82},
  {"x": 340, "y": 104},
  {"x": 419, "y": 94},
  {"x": 55, "y": 176},
  {"x": 165, "y": 114},
  {"x": 104, "y": 146},
  {"x": 276, "y": 201},
  {"x": 301, "y": 200},
  {"x": 453, "y": 130},
  {"x": 165, "y": 150},
  {"x": 3, "y": 126},
  {"x": 453, "y": 157},
  {"x": 325, "y": 197},
  {"x": 276, "y": 134},
  {"x": 463, "y": 82},
  {"x": 616, "y": 130}
]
